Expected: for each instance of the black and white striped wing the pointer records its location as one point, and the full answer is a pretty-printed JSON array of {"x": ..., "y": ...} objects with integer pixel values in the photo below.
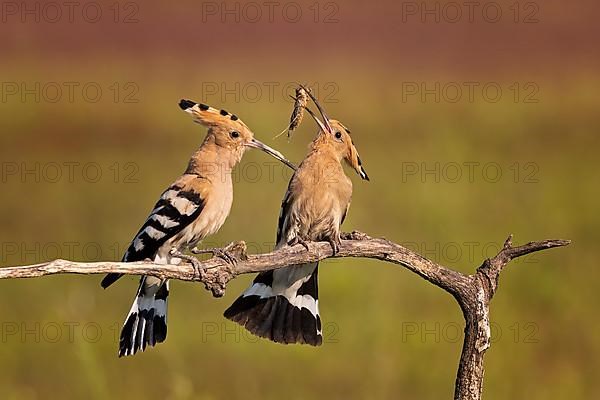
[
  {"x": 177, "y": 208},
  {"x": 284, "y": 218}
]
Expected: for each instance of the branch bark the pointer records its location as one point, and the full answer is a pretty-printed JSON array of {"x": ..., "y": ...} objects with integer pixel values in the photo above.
[{"x": 472, "y": 292}]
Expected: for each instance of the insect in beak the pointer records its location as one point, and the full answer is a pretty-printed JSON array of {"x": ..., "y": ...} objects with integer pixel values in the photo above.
[{"x": 256, "y": 144}]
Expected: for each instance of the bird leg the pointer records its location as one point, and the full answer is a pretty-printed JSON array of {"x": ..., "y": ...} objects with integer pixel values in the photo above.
[
  {"x": 198, "y": 270},
  {"x": 230, "y": 253},
  {"x": 334, "y": 242},
  {"x": 297, "y": 240},
  {"x": 335, "y": 245}
]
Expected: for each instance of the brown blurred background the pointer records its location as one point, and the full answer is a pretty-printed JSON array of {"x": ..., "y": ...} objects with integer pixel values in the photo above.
[{"x": 473, "y": 121}]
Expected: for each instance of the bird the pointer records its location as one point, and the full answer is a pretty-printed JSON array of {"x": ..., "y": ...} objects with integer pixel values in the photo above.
[
  {"x": 193, "y": 207},
  {"x": 282, "y": 305}
]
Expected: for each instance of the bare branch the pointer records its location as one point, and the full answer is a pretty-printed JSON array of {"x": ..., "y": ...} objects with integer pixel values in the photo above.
[
  {"x": 492, "y": 267},
  {"x": 473, "y": 292},
  {"x": 356, "y": 244}
]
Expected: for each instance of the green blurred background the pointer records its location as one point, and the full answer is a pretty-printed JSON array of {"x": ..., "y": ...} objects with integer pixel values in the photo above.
[{"x": 91, "y": 135}]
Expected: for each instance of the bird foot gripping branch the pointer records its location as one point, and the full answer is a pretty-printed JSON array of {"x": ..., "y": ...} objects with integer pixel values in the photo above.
[
  {"x": 215, "y": 279},
  {"x": 231, "y": 253},
  {"x": 296, "y": 240}
]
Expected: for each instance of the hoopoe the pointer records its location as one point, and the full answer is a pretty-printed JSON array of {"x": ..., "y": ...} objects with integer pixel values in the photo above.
[
  {"x": 192, "y": 208},
  {"x": 282, "y": 305}
]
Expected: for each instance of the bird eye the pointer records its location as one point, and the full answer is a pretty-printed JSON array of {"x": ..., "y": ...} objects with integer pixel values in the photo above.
[
  {"x": 338, "y": 135},
  {"x": 235, "y": 134}
]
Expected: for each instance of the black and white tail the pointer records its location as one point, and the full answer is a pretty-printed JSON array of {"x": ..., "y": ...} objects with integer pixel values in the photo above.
[
  {"x": 146, "y": 323},
  {"x": 282, "y": 306}
]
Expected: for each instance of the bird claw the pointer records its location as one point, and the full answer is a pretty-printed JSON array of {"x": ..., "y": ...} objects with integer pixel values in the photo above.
[
  {"x": 296, "y": 240},
  {"x": 230, "y": 253},
  {"x": 335, "y": 246},
  {"x": 225, "y": 255},
  {"x": 198, "y": 270},
  {"x": 196, "y": 250}
]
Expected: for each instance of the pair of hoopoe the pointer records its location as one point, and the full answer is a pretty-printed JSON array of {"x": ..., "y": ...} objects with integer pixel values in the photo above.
[{"x": 280, "y": 305}]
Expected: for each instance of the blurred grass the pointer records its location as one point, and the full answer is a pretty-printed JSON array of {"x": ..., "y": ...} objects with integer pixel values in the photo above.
[{"x": 543, "y": 315}]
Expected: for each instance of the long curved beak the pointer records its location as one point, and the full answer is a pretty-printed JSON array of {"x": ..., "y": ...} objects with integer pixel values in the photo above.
[
  {"x": 317, "y": 120},
  {"x": 256, "y": 144},
  {"x": 321, "y": 111}
]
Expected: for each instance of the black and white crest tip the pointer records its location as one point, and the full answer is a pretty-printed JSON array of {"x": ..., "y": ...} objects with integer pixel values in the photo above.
[{"x": 185, "y": 104}]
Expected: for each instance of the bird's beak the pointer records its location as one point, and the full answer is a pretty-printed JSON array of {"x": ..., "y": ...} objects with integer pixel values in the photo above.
[
  {"x": 317, "y": 120},
  {"x": 321, "y": 111},
  {"x": 256, "y": 144}
]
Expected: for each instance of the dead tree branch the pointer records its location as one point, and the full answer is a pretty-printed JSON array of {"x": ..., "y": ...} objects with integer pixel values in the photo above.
[{"x": 472, "y": 292}]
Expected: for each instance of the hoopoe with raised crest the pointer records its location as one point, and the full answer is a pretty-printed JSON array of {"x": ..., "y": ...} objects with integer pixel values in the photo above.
[
  {"x": 192, "y": 208},
  {"x": 282, "y": 305}
]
